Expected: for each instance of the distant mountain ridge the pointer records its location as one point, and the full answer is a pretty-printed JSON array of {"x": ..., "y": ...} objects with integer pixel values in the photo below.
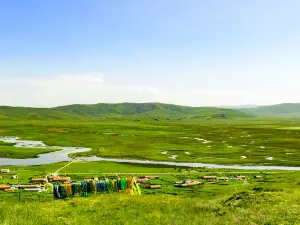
[
  {"x": 151, "y": 110},
  {"x": 279, "y": 110},
  {"x": 239, "y": 106}
]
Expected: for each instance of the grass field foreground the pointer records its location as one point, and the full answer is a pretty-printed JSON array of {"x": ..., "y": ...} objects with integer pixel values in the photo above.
[{"x": 247, "y": 207}]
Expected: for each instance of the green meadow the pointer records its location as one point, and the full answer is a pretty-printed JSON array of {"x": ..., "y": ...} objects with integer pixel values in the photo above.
[
  {"x": 273, "y": 199},
  {"x": 245, "y": 207},
  {"x": 240, "y": 141},
  {"x": 8, "y": 151}
]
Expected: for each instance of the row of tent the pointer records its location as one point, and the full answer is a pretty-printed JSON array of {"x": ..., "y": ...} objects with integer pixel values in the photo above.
[{"x": 85, "y": 189}]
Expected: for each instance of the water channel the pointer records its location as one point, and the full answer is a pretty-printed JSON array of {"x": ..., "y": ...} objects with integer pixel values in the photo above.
[{"x": 63, "y": 155}]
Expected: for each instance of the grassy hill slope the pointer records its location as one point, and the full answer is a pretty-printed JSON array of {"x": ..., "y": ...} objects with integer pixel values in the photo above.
[
  {"x": 150, "y": 110},
  {"x": 280, "y": 110},
  {"x": 7, "y": 112}
]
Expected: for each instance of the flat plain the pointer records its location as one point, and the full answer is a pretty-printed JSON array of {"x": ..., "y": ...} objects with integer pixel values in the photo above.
[
  {"x": 242, "y": 141},
  {"x": 273, "y": 199}
]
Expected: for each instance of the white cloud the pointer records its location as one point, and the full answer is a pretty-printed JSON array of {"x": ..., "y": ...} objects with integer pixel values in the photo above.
[
  {"x": 92, "y": 88},
  {"x": 216, "y": 92},
  {"x": 68, "y": 89}
]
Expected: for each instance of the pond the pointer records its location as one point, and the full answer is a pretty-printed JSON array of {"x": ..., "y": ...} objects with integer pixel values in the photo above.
[{"x": 46, "y": 158}]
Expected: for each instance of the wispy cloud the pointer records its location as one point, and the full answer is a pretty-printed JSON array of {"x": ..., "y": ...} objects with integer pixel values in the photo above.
[
  {"x": 216, "y": 92},
  {"x": 68, "y": 89},
  {"x": 57, "y": 90}
]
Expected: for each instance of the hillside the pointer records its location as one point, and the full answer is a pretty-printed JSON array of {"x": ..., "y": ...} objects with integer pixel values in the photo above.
[
  {"x": 151, "y": 110},
  {"x": 33, "y": 113},
  {"x": 239, "y": 106},
  {"x": 280, "y": 110}
]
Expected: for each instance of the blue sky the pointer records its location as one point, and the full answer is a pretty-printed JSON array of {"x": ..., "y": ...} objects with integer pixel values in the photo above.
[{"x": 189, "y": 52}]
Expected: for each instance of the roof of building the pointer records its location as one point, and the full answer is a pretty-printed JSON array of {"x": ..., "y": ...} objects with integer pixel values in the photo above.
[
  {"x": 61, "y": 178},
  {"x": 29, "y": 186},
  {"x": 10, "y": 189},
  {"x": 38, "y": 180},
  {"x": 209, "y": 177},
  {"x": 4, "y": 186},
  {"x": 154, "y": 186},
  {"x": 32, "y": 189}
]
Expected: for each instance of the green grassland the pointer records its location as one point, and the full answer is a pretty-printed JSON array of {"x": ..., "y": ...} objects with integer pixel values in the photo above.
[
  {"x": 274, "y": 199},
  {"x": 278, "y": 181},
  {"x": 21, "y": 153},
  {"x": 146, "y": 139},
  {"x": 245, "y": 207},
  {"x": 272, "y": 181}
]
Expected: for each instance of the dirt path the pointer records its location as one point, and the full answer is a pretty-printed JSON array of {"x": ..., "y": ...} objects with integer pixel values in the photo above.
[{"x": 57, "y": 171}]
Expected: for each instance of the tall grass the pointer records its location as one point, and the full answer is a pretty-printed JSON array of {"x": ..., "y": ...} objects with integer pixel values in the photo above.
[{"x": 241, "y": 208}]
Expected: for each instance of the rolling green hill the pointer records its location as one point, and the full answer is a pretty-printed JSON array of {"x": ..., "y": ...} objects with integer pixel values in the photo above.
[
  {"x": 150, "y": 110},
  {"x": 33, "y": 113},
  {"x": 280, "y": 110}
]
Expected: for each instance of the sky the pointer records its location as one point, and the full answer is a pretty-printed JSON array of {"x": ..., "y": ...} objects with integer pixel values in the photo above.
[{"x": 191, "y": 52}]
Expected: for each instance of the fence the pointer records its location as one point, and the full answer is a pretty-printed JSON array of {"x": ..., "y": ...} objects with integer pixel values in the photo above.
[{"x": 25, "y": 196}]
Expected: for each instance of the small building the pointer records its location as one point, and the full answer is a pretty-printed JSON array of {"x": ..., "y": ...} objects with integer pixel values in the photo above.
[
  {"x": 4, "y": 170},
  {"x": 241, "y": 177},
  {"x": 38, "y": 180},
  {"x": 33, "y": 189},
  {"x": 10, "y": 190},
  {"x": 23, "y": 186},
  {"x": 188, "y": 183},
  {"x": 59, "y": 179},
  {"x": 4, "y": 186},
  {"x": 156, "y": 186},
  {"x": 258, "y": 177},
  {"x": 209, "y": 177},
  {"x": 143, "y": 181}
]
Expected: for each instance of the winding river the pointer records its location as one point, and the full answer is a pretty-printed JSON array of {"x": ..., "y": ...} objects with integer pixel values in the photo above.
[{"x": 63, "y": 155}]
